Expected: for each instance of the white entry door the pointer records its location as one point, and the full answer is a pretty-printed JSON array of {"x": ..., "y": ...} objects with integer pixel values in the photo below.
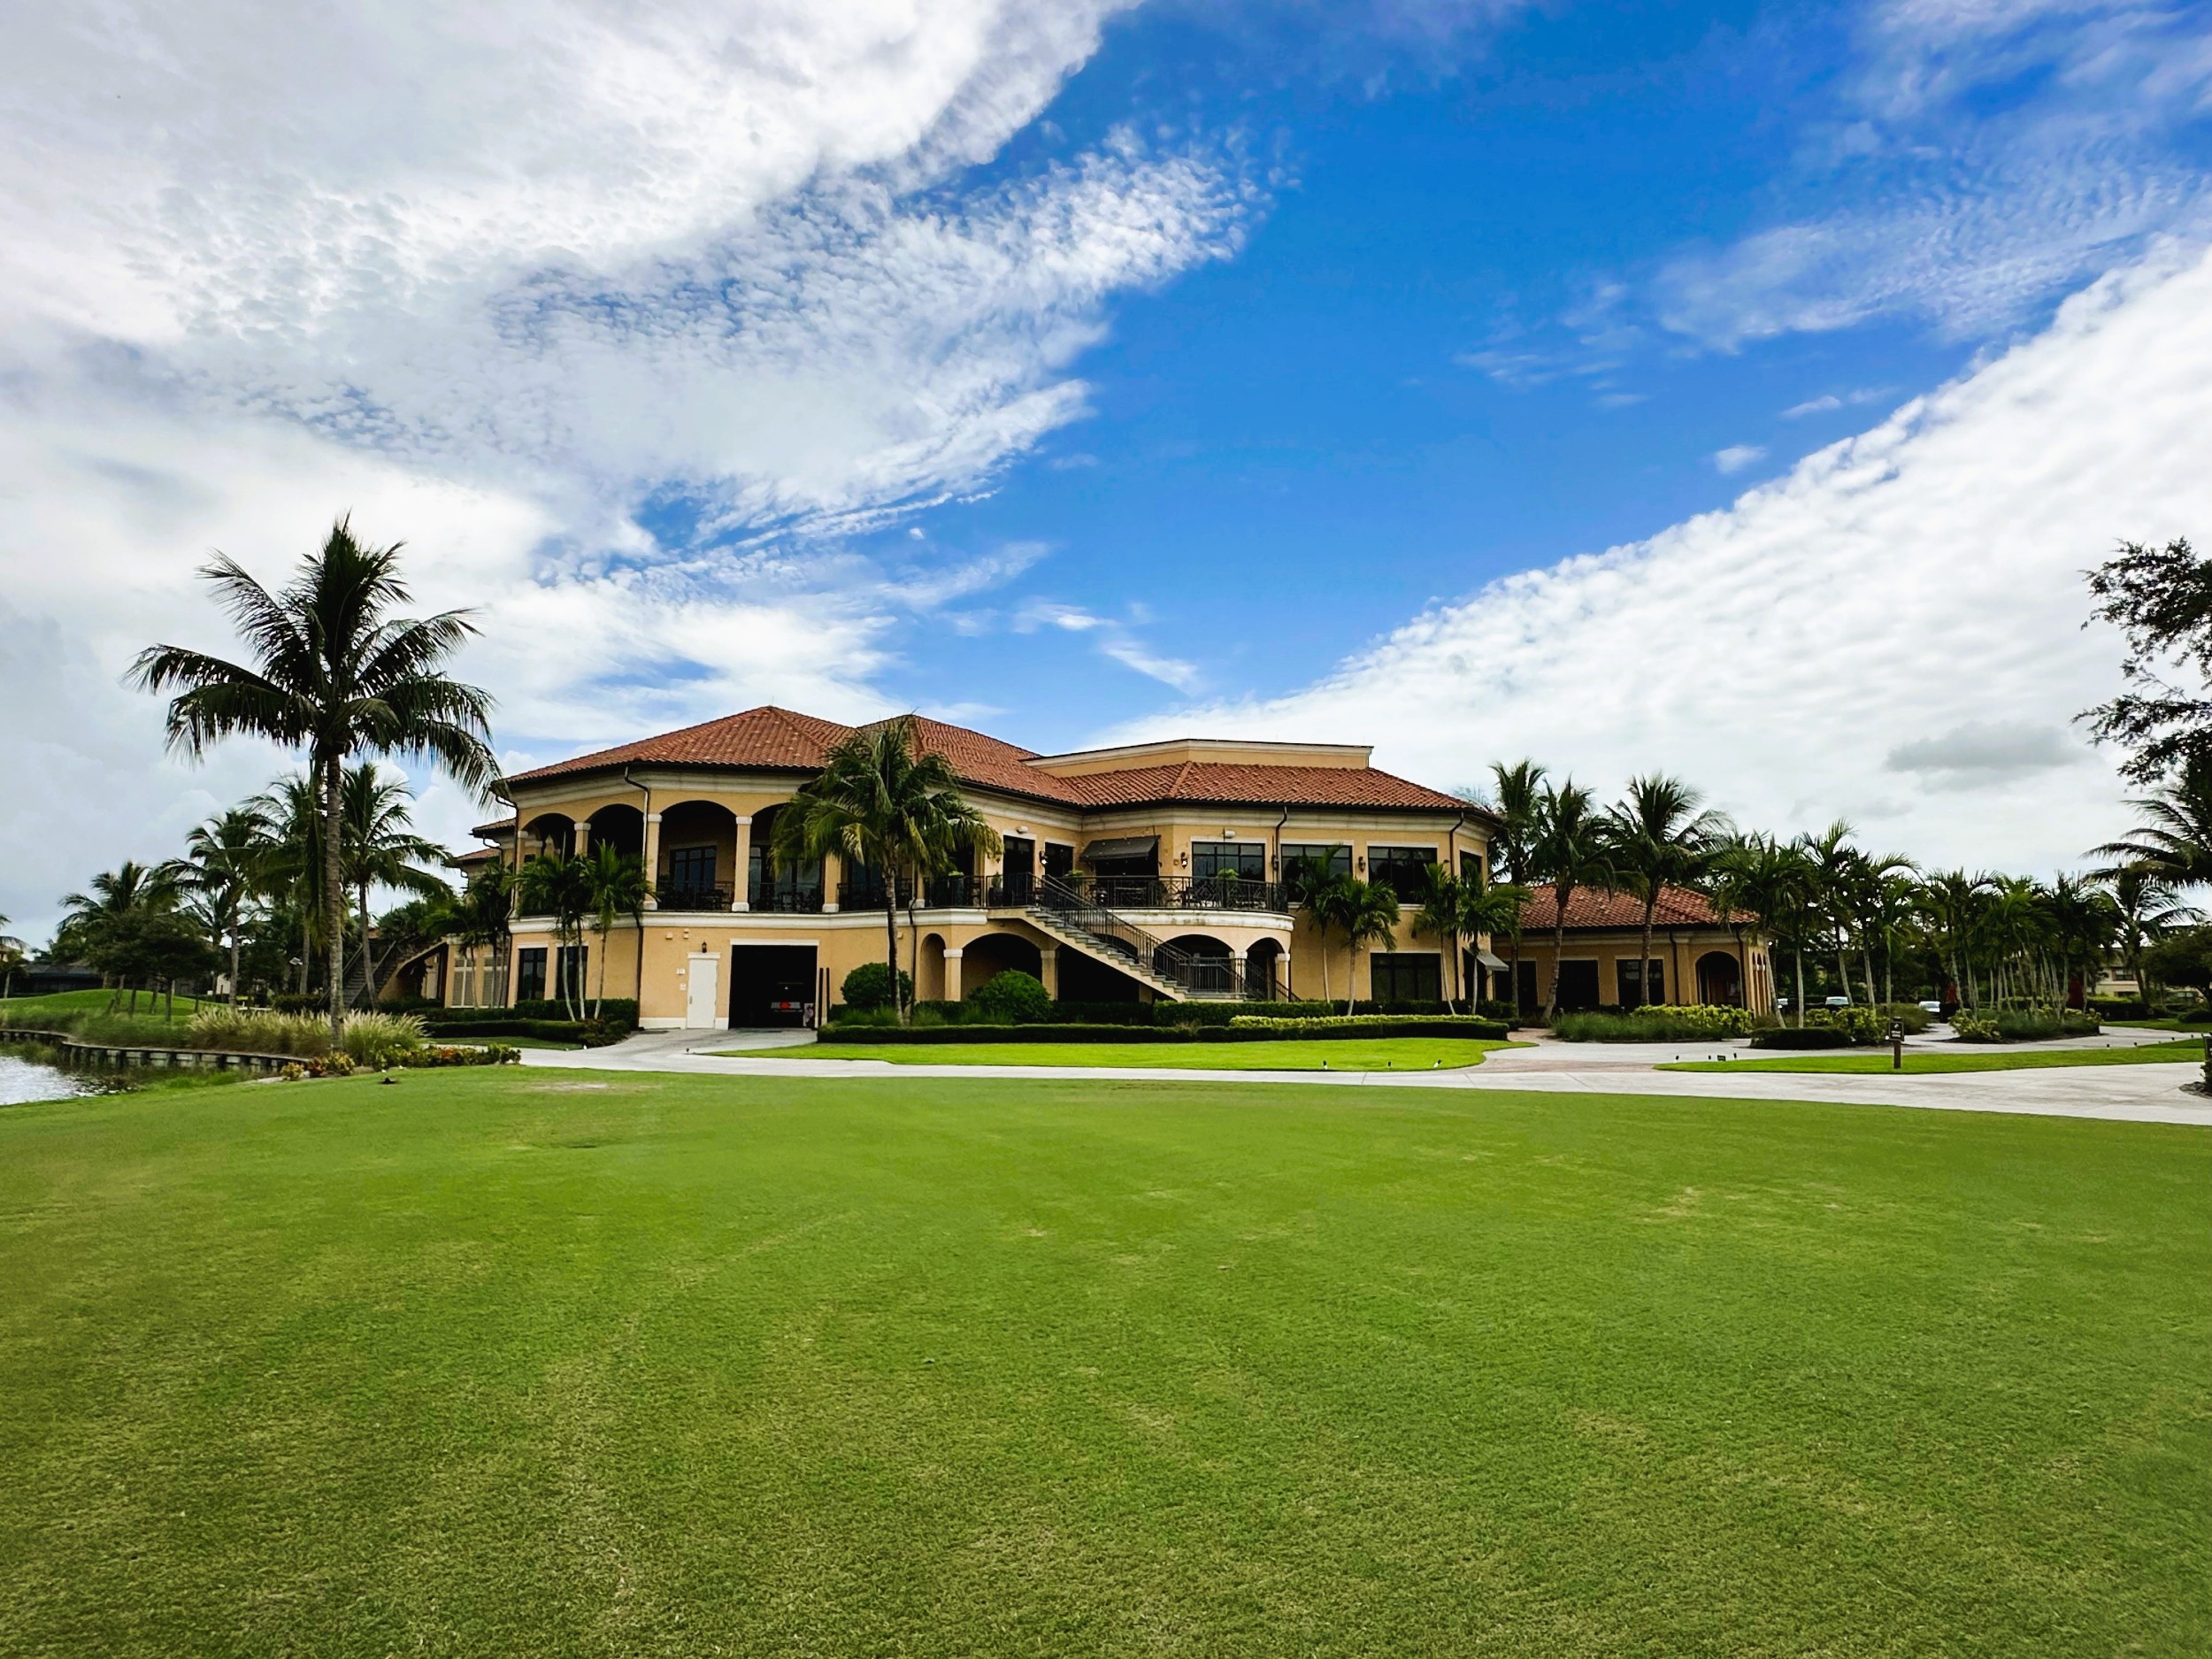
[{"x": 699, "y": 994}]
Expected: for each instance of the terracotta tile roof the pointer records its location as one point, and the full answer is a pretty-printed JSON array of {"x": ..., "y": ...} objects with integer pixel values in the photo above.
[
  {"x": 498, "y": 829},
  {"x": 778, "y": 740},
  {"x": 475, "y": 855},
  {"x": 1261, "y": 786},
  {"x": 1603, "y": 908}
]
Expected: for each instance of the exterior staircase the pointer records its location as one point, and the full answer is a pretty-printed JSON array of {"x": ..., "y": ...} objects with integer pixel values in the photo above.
[{"x": 1085, "y": 924}]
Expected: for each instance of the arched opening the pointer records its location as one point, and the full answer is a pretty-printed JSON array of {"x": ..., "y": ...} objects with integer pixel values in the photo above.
[
  {"x": 929, "y": 968},
  {"x": 547, "y": 833},
  {"x": 1719, "y": 980},
  {"x": 698, "y": 856},
  {"x": 995, "y": 954},
  {"x": 1211, "y": 966},
  {"x": 620, "y": 827},
  {"x": 1263, "y": 975},
  {"x": 773, "y": 884}
]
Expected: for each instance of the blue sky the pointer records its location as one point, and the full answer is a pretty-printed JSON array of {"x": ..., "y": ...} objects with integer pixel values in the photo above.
[{"x": 1735, "y": 390}]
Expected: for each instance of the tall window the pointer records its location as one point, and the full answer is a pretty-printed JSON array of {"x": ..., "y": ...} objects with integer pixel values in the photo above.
[
  {"x": 1404, "y": 870},
  {"x": 1245, "y": 860},
  {"x": 1409, "y": 976},
  {"x": 572, "y": 972},
  {"x": 1339, "y": 855},
  {"x": 530, "y": 974},
  {"x": 1630, "y": 983}
]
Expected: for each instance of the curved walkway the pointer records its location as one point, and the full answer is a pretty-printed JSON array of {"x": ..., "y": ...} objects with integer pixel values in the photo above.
[{"x": 2134, "y": 1093}]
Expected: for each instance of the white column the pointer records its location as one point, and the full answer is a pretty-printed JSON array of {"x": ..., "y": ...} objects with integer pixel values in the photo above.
[
  {"x": 1289, "y": 995},
  {"x": 833, "y": 871},
  {"x": 740, "y": 890},
  {"x": 1048, "y": 969},
  {"x": 652, "y": 857},
  {"x": 952, "y": 974}
]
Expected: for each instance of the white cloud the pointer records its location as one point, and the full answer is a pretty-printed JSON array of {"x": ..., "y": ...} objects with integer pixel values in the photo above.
[
  {"x": 1737, "y": 458},
  {"x": 512, "y": 281},
  {"x": 1890, "y": 633}
]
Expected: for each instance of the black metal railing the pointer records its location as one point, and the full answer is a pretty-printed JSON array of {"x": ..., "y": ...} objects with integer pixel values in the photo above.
[
  {"x": 691, "y": 898},
  {"x": 1182, "y": 893},
  {"x": 786, "y": 901},
  {"x": 1110, "y": 934},
  {"x": 953, "y": 892}
]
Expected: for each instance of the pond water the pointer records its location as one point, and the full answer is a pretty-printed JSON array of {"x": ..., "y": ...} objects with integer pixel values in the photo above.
[{"x": 22, "y": 1080}]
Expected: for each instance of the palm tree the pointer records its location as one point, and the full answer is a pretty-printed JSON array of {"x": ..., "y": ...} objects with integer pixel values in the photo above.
[
  {"x": 1660, "y": 838},
  {"x": 882, "y": 803},
  {"x": 1570, "y": 849},
  {"x": 117, "y": 898},
  {"x": 335, "y": 674},
  {"x": 221, "y": 870},
  {"x": 1442, "y": 917},
  {"x": 1773, "y": 883},
  {"x": 2147, "y": 911},
  {"x": 382, "y": 849},
  {"x": 614, "y": 886},
  {"x": 11, "y": 952},
  {"x": 1318, "y": 890},
  {"x": 1516, "y": 797},
  {"x": 2173, "y": 843},
  {"x": 1494, "y": 908},
  {"x": 1369, "y": 913},
  {"x": 553, "y": 883},
  {"x": 481, "y": 914}
]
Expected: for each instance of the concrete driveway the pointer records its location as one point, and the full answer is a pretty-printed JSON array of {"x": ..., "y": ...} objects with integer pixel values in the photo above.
[{"x": 2134, "y": 1093}]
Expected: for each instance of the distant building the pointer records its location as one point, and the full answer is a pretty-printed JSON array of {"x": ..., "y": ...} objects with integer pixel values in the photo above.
[
  {"x": 1152, "y": 870},
  {"x": 1696, "y": 956}
]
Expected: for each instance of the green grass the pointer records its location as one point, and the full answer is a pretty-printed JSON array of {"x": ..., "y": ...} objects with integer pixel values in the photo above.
[
  {"x": 84, "y": 1014},
  {"x": 1920, "y": 1062},
  {"x": 1349, "y": 1053},
  {"x": 500, "y": 1364}
]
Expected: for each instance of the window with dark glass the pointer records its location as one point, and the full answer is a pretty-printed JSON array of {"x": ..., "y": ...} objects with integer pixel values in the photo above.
[
  {"x": 1338, "y": 854},
  {"x": 530, "y": 974},
  {"x": 571, "y": 981},
  {"x": 1245, "y": 860},
  {"x": 1059, "y": 858},
  {"x": 690, "y": 878},
  {"x": 785, "y": 885},
  {"x": 1404, "y": 870},
  {"x": 1409, "y": 976},
  {"x": 1630, "y": 983}
]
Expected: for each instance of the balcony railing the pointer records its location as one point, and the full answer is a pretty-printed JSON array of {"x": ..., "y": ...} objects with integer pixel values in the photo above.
[
  {"x": 789, "y": 902},
  {"x": 1180, "y": 893},
  {"x": 692, "y": 898},
  {"x": 937, "y": 892},
  {"x": 1111, "y": 935}
]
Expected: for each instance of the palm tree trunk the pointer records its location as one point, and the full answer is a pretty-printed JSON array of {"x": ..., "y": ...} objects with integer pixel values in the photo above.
[
  {"x": 368, "y": 963},
  {"x": 891, "y": 941},
  {"x": 1643, "y": 962},
  {"x": 1561, "y": 893},
  {"x": 334, "y": 891},
  {"x": 234, "y": 963},
  {"x": 1327, "y": 995},
  {"x": 606, "y": 923},
  {"x": 1798, "y": 956},
  {"x": 1351, "y": 976}
]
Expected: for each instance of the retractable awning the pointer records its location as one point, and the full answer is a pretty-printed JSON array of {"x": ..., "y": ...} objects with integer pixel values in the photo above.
[
  {"x": 1125, "y": 847},
  {"x": 1494, "y": 964}
]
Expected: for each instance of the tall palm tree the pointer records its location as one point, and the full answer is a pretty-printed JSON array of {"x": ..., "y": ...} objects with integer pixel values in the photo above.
[
  {"x": 1319, "y": 891},
  {"x": 2147, "y": 911},
  {"x": 2173, "y": 841},
  {"x": 221, "y": 870},
  {"x": 1661, "y": 836},
  {"x": 1516, "y": 795},
  {"x": 880, "y": 802},
  {"x": 482, "y": 915},
  {"x": 554, "y": 883},
  {"x": 1772, "y": 881},
  {"x": 1442, "y": 917},
  {"x": 333, "y": 673},
  {"x": 614, "y": 886},
  {"x": 1368, "y": 911},
  {"x": 380, "y": 849},
  {"x": 1570, "y": 849},
  {"x": 1494, "y": 907}
]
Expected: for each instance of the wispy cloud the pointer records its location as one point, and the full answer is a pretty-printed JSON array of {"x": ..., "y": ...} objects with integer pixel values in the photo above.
[
  {"x": 1822, "y": 648},
  {"x": 1737, "y": 458}
]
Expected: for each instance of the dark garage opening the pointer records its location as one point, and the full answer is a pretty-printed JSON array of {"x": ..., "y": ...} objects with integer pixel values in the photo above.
[{"x": 771, "y": 985}]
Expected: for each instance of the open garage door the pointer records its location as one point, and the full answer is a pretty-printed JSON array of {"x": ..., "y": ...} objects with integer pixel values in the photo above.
[{"x": 771, "y": 985}]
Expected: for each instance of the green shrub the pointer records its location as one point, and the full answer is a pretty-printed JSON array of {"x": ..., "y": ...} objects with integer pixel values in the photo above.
[
  {"x": 1800, "y": 1037},
  {"x": 1373, "y": 1026},
  {"x": 439, "y": 1055},
  {"x": 2021, "y": 1025},
  {"x": 868, "y": 987},
  {"x": 1857, "y": 1022},
  {"x": 1915, "y": 1018},
  {"x": 1013, "y": 996},
  {"x": 1669, "y": 1023},
  {"x": 2119, "y": 1007},
  {"x": 259, "y": 1031},
  {"x": 1975, "y": 1028},
  {"x": 377, "y": 1041}
]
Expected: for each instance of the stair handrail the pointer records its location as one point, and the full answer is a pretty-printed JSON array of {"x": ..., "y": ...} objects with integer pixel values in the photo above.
[{"x": 1085, "y": 916}]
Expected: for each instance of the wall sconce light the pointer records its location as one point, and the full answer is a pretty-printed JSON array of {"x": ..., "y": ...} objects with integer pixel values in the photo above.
[
  {"x": 1361, "y": 861},
  {"x": 1182, "y": 859}
]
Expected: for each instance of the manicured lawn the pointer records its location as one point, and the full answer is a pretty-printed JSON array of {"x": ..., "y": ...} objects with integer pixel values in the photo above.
[
  {"x": 84, "y": 1012},
  {"x": 1964, "y": 1060},
  {"x": 519, "y": 1363},
  {"x": 1349, "y": 1053}
]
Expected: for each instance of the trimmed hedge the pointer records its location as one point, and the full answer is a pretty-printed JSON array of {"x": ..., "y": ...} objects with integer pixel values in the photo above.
[
  {"x": 591, "y": 1033},
  {"x": 1802, "y": 1037},
  {"x": 1282, "y": 1031},
  {"x": 1172, "y": 1014},
  {"x": 1689, "y": 1022}
]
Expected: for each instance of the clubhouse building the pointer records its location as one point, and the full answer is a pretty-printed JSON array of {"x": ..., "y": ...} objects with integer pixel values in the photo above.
[
  {"x": 1150, "y": 871},
  {"x": 1697, "y": 954}
]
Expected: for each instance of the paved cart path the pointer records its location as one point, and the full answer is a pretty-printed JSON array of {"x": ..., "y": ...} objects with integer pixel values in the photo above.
[{"x": 2133, "y": 1094}]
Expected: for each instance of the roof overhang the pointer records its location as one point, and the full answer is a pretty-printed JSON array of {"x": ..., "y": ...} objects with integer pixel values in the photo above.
[{"x": 1122, "y": 847}]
